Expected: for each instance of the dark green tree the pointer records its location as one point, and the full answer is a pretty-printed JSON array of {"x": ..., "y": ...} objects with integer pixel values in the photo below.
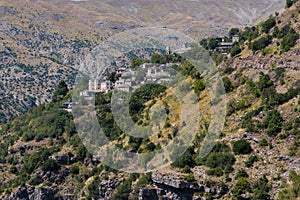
[
  {"x": 241, "y": 147},
  {"x": 60, "y": 92},
  {"x": 233, "y": 31}
]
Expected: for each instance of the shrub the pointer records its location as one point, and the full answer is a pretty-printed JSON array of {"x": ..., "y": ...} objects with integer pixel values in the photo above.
[
  {"x": 241, "y": 174},
  {"x": 241, "y": 187},
  {"x": 263, "y": 143},
  {"x": 122, "y": 191},
  {"x": 74, "y": 170},
  {"x": 81, "y": 152},
  {"x": 289, "y": 3},
  {"x": 199, "y": 86},
  {"x": 273, "y": 122},
  {"x": 13, "y": 169},
  {"x": 289, "y": 41},
  {"x": 264, "y": 82},
  {"x": 50, "y": 165},
  {"x": 186, "y": 159},
  {"x": 215, "y": 172},
  {"x": 221, "y": 160},
  {"x": 186, "y": 170},
  {"x": 144, "y": 180},
  {"x": 252, "y": 159},
  {"x": 235, "y": 50},
  {"x": 227, "y": 84},
  {"x": 261, "y": 189},
  {"x": 94, "y": 188},
  {"x": 241, "y": 147},
  {"x": 36, "y": 180}
]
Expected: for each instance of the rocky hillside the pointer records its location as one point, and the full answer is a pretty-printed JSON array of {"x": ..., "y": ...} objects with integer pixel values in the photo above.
[
  {"x": 41, "y": 41},
  {"x": 257, "y": 156}
]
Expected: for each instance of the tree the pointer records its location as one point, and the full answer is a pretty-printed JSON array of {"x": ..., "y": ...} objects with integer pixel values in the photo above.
[
  {"x": 186, "y": 159},
  {"x": 289, "y": 41},
  {"x": 264, "y": 82},
  {"x": 267, "y": 25},
  {"x": 60, "y": 92},
  {"x": 273, "y": 122},
  {"x": 227, "y": 84},
  {"x": 261, "y": 43},
  {"x": 235, "y": 50},
  {"x": 289, "y": 3},
  {"x": 212, "y": 43},
  {"x": 233, "y": 32},
  {"x": 50, "y": 165},
  {"x": 241, "y": 147}
]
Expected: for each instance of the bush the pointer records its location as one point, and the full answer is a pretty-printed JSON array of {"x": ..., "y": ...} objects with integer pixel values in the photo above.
[
  {"x": 264, "y": 82},
  {"x": 122, "y": 191},
  {"x": 144, "y": 180},
  {"x": 227, "y": 84},
  {"x": 94, "y": 188},
  {"x": 252, "y": 159},
  {"x": 263, "y": 143},
  {"x": 50, "y": 165},
  {"x": 241, "y": 174},
  {"x": 289, "y": 3},
  {"x": 199, "y": 86},
  {"x": 186, "y": 159},
  {"x": 241, "y": 147},
  {"x": 221, "y": 160},
  {"x": 186, "y": 170},
  {"x": 241, "y": 187},
  {"x": 215, "y": 172},
  {"x": 13, "y": 169},
  {"x": 235, "y": 50},
  {"x": 261, "y": 189},
  {"x": 289, "y": 41},
  {"x": 74, "y": 170},
  {"x": 273, "y": 122}
]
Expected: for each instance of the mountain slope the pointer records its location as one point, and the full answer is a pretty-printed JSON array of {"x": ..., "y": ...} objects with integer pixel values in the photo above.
[
  {"x": 257, "y": 156},
  {"x": 41, "y": 41}
]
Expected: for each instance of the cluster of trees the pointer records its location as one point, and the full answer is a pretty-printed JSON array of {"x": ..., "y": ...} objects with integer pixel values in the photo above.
[
  {"x": 258, "y": 191},
  {"x": 267, "y": 25},
  {"x": 261, "y": 43},
  {"x": 141, "y": 96},
  {"x": 287, "y": 35},
  {"x": 220, "y": 160}
]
